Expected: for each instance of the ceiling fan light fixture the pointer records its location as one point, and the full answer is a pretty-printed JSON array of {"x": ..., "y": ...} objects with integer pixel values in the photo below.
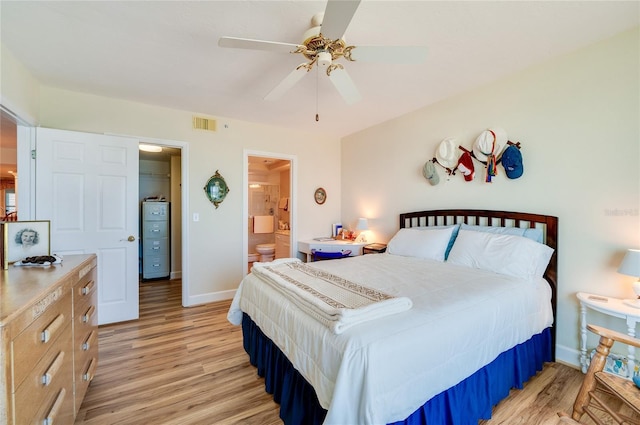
[{"x": 324, "y": 59}]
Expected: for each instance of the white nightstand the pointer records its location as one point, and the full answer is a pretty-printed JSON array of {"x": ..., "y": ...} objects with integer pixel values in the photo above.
[
  {"x": 330, "y": 246},
  {"x": 613, "y": 307}
]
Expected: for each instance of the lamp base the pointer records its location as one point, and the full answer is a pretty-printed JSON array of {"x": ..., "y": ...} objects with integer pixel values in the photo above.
[{"x": 633, "y": 303}]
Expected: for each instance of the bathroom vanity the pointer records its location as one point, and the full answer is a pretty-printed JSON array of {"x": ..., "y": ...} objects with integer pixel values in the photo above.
[{"x": 283, "y": 244}]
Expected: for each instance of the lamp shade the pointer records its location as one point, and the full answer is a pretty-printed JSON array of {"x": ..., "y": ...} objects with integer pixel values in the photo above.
[
  {"x": 363, "y": 224},
  {"x": 631, "y": 263}
]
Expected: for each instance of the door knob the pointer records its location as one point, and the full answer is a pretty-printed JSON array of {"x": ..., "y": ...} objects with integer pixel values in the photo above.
[{"x": 131, "y": 238}]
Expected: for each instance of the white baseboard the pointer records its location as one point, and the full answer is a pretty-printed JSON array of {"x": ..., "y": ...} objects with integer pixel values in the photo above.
[
  {"x": 568, "y": 356},
  {"x": 209, "y": 298},
  {"x": 175, "y": 275}
]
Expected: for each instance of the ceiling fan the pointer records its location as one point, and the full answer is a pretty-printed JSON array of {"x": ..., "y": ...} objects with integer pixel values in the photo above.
[{"x": 324, "y": 45}]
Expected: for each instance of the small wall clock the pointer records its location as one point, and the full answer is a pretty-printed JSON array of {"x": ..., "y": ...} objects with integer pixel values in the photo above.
[
  {"x": 216, "y": 189},
  {"x": 320, "y": 196}
]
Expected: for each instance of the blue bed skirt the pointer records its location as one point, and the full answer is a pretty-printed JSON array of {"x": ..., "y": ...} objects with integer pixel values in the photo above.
[{"x": 462, "y": 404}]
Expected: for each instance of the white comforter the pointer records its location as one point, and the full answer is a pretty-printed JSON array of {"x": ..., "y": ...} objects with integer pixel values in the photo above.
[
  {"x": 335, "y": 302},
  {"x": 383, "y": 370}
]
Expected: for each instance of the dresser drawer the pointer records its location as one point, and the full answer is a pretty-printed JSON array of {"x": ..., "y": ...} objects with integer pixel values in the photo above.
[
  {"x": 57, "y": 409},
  {"x": 85, "y": 319},
  {"x": 29, "y": 346},
  {"x": 86, "y": 288},
  {"x": 51, "y": 374}
]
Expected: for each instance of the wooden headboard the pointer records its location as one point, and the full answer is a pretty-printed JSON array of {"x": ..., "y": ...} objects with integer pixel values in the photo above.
[{"x": 548, "y": 225}]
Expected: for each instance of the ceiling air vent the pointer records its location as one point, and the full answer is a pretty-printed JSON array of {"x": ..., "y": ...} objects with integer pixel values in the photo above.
[{"x": 201, "y": 123}]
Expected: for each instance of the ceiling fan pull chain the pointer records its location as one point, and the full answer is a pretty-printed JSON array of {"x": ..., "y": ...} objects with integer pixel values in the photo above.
[{"x": 317, "y": 116}]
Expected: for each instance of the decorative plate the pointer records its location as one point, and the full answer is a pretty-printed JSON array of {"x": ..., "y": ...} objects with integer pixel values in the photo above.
[
  {"x": 216, "y": 189},
  {"x": 320, "y": 196}
]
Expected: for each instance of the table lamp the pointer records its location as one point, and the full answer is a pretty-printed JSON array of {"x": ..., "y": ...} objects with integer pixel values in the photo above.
[
  {"x": 631, "y": 266},
  {"x": 362, "y": 226}
]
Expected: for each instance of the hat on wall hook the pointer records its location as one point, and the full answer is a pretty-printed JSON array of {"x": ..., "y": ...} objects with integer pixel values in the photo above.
[
  {"x": 487, "y": 147},
  {"x": 430, "y": 173},
  {"x": 512, "y": 161},
  {"x": 465, "y": 165},
  {"x": 446, "y": 154}
]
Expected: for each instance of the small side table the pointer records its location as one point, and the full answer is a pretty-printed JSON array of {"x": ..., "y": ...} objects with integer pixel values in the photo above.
[
  {"x": 374, "y": 248},
  {"x": 610, "y": 306}
]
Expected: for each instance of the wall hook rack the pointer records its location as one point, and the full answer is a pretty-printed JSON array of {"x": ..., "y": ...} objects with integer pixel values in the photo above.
[
  {"x": 451, "y": 172},
  {"x": 498, "y": 160}
]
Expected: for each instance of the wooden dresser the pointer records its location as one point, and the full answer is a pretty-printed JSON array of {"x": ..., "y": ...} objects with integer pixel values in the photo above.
[{"x": 48, "y": 340}]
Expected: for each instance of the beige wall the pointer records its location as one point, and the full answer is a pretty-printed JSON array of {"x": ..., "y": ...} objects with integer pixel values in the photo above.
[
  {"x": 577, "y": 118},
  {"x": 19, "y": 90},
  {"x": 215, "y": 251}
]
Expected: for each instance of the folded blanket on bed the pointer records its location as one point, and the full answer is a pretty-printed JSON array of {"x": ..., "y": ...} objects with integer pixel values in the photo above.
[{"x": 334, "y": 301}]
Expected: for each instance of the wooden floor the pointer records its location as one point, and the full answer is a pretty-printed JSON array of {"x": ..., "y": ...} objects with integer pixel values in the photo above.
[{"x": 187, "y": 366}]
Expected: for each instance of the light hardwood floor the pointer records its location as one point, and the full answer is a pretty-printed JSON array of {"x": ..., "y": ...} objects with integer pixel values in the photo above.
[{"x": 187, "y": 366}]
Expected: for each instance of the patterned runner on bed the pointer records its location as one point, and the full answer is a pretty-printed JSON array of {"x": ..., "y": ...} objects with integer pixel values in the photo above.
[{"x": 333, "y": 300}]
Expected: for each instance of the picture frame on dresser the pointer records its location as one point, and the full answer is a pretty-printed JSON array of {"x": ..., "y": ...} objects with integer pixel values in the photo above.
[{"x": 22, "y": 239}]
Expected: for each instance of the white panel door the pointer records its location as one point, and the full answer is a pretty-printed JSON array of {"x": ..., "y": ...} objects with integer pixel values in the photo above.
[{"x": 87, "y": 186}]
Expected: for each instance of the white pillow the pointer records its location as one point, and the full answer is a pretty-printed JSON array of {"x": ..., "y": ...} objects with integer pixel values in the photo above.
[
  {"x": 423, "y": 243},
  {"x": 529, "y": 233},
  {"x": 506, "y": 254}
]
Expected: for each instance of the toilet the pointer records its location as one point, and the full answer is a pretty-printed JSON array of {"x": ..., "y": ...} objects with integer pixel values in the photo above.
[
  {"x": 266, "y": 251},
  {"x": 252, "y": 258}
]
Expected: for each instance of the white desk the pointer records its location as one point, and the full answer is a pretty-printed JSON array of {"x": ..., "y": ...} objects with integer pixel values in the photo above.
[
  {"x": 610, "y": 306},
  {"x": 330, "y": 246}
]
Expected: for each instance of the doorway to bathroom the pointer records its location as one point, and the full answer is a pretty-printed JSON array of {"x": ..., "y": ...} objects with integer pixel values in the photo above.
[{"x": 269, "y": 211}]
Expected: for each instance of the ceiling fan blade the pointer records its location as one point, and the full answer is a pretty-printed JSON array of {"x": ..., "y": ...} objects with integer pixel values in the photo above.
[
  {"x": 390, "y": 54},
  {"x": 247, "y": 43},
  {"x": 337, "y": 16},
  {"x": 343, "y": 82},
  {"x": 289, "y": 81}
]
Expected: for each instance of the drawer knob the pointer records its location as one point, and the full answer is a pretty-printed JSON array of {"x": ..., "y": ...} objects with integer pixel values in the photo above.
[
  {"x": 89, "y": 341},
  {"x": 45, "y": 335},
  {"x": 88, "y": 287},
  {"x": 88, "y": 374},
  {"x": 53, "y": 369},
  {"x": 87, "y": 315},
  {"x": 49, "y": 420}
]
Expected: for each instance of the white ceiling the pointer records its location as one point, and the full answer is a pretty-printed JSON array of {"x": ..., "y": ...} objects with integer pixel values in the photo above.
[{"x": 166, "y": 53}]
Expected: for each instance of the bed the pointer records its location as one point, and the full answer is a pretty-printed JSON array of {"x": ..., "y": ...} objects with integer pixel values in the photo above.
[{"x": 448, "y": 358}]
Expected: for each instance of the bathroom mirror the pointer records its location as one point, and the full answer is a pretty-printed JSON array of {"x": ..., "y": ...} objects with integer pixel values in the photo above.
[{"x": 216, "y": 189}]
